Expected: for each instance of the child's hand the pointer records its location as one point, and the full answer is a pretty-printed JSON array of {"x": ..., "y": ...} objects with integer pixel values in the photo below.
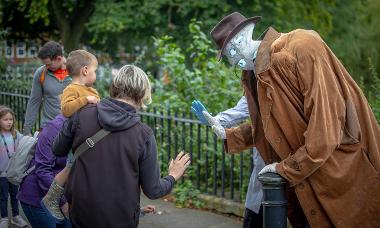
[
  {"x": 92, "y": 99},
  {"x": 149, "y": 209}
]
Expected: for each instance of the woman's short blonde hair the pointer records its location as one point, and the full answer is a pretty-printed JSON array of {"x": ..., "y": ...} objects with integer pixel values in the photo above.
[{"x": 131, "y": 83}]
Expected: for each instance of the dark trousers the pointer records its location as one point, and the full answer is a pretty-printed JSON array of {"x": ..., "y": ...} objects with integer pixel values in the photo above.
[
  {"x": 39, "y": 218},
  {"x": 6, "y": 188},
  {"x": 253, "y": 220}
]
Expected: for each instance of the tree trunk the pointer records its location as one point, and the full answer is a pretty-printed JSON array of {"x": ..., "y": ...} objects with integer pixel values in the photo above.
[
  {"x": 72, "y": 25},
  {"x": 71, "y": 38}
]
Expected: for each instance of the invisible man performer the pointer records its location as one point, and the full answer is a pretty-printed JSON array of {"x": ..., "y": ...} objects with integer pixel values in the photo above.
[{"x": 309, "y": 121}]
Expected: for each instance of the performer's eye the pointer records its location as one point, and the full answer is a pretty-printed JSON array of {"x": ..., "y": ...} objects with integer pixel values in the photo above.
[
  {"x": 239, "y": 39},
  {"x": 232, "y": 52},
  {"x": 242, "y": 63}
]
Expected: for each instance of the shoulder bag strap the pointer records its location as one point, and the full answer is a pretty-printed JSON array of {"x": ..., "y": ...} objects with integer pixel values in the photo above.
[{"x": 90, "y": 142}]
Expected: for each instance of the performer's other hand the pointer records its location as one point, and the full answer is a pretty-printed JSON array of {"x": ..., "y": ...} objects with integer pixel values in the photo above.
[
  {"x": 215, "y": 125},
  {"x": 271, "y": 168}
]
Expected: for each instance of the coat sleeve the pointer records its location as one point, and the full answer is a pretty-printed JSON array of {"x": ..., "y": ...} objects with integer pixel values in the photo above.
[
  {"x": 324, "y": 110},
  {"x": 45, "y": 160},
  {"x": 152, "y": 185},
  {"x": 239, "y": 138},
  {"x": 63, "y": 142}
]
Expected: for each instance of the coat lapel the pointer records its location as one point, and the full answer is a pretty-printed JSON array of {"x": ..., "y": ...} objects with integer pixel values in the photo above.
[{"x": 263, "y": 54}]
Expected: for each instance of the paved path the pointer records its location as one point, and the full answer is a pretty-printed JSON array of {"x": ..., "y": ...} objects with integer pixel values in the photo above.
[{"x": 169, "y": 216}]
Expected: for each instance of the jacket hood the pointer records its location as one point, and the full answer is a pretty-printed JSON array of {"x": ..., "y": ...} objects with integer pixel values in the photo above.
[{"x": 114, "y": 115}]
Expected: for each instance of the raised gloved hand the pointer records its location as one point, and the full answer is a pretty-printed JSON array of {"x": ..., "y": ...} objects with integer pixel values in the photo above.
[
  {"x": 271, "y": 168},
  {"x": 215, "y": 125},
  {"x": 197, "y": 108}
]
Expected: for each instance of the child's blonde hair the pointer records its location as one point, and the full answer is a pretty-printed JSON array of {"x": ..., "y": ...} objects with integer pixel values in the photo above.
[
  {"x": 78, "y": 59},
  {"x": 6, "y": 110}
]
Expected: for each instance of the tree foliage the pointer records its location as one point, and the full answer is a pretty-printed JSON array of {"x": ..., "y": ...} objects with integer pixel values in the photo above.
[
  {"x": 3, "y": 64},
  {"x": 350, "y": 28},
  {"x": 64, "y": 20},
  {"x": 194, "y": 73}
]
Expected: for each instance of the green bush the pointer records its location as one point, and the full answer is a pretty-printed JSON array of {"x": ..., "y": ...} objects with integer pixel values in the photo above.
[
  {"x": 373, "y": 92},
  {"x": 186, "y": 195},
  {"x": 194, "y": 73}
]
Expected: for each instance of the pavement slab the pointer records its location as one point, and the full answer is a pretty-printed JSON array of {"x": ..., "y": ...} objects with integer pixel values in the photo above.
[{"x": 168, "y": 216}]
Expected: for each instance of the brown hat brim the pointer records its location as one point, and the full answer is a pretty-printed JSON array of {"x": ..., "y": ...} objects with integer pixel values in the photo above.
[{"x": 235, "y": 31}]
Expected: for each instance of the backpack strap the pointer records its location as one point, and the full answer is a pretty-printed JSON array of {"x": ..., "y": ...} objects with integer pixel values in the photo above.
[
  {"x": 42, "y": 77},
  {"x": 90, "y": 142},
  {"x": 30, "y": 170}
]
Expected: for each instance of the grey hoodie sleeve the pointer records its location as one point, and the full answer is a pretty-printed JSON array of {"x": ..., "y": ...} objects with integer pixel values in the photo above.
[
  {"x": 34, "y": 103},
  {"x": 152, "y": 185}
]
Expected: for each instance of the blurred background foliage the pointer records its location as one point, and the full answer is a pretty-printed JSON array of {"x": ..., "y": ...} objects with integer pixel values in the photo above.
[{"x": 170, "y": 38}]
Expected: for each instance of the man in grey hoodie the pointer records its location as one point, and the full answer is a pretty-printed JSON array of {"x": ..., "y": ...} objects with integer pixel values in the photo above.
[{"x": 48, "y": 83}]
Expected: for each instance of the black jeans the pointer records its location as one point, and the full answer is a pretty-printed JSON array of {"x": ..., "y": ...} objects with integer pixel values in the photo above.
[
  {"x": 6, "y": 188},
  {"x": 253, "y": 220}
]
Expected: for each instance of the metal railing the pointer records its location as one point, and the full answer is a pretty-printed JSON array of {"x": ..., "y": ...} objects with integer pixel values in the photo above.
[{"x": 212, "y": 171}]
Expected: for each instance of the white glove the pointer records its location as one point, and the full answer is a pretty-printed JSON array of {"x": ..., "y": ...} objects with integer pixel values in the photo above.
[
  {"x": 215, "y": 125},
  {"x": 271, "y": 168}
]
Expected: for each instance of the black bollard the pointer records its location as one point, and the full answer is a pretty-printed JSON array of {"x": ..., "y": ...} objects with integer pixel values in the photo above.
[{"x": 274, "y": 203}]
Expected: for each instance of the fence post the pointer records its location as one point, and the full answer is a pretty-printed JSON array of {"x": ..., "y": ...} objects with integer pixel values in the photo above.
[{"x": 274, "y": 203}]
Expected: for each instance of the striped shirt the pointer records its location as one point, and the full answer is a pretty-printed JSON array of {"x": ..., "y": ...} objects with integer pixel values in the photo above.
[{"x": 7, "y": 149}]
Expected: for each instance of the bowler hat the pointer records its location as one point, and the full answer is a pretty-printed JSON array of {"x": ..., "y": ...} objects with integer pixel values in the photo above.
[{"x": 228, "y": 27}]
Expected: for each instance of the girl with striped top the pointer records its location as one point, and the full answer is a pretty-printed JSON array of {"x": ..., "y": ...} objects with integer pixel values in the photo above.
[{"x": 9, "y": 138}]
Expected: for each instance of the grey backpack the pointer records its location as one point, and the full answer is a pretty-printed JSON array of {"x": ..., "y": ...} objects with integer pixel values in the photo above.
[{"x": 18, "y": 166}]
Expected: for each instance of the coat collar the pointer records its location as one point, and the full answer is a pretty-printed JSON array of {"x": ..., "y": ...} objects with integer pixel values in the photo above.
[{"x": 263, "y": 54}]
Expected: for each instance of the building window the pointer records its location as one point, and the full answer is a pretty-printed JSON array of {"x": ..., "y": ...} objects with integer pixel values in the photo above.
[
  {"x": 9, "y": 51},
  {"x": 32, "y": 51},
  {"x": 20, "y": 50}
]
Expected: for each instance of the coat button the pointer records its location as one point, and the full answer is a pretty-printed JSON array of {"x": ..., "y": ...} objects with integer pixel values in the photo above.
[
  {"x": 301, "y": 186},
  {"x": 268, "y": 94},
  {"x": 313, "y": 212},
  {"x": 278, "y": 140}
]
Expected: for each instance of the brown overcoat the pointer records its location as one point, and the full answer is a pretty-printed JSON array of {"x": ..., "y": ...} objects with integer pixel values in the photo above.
[{"x": 311, "y": 117}]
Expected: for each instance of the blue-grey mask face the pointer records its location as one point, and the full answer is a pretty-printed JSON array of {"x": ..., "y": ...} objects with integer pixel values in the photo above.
[{"x": 241, "y": 49}]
